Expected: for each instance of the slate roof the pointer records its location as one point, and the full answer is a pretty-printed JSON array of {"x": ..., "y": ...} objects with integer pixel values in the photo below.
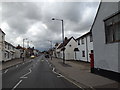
[
  {"x": 65, "y": 43},
  {"x": 88, "y": 33},
  {"x": 2, "y": 31}
]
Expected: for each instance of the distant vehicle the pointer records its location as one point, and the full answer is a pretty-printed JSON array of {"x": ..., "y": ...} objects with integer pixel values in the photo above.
[
  {"x": 32, "y": 56},
  {"x": 47, "y": 56}
]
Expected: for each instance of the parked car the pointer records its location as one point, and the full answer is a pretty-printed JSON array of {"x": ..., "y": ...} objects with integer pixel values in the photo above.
[
  {"x": 47, "y": 56},
  {"x": 32, "y": 56}
]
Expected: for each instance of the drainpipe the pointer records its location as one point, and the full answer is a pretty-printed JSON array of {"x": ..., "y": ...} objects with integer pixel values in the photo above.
[{"x": 86, "y": 48}]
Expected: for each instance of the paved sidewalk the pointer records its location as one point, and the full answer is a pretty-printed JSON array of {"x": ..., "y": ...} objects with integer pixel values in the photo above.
[
  {"x": 79, "y": 73},
  {"x": 13, "y": 62}
]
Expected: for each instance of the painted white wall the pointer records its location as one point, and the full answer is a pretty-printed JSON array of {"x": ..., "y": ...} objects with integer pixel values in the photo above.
[
  {"x": 58, "y": 52},
  {"x": 69, "y": 51},
  {"x": 17, "y": 53},
  {"x": 10, "y": 52},
  {"x": 2, "y": 45},
  {"x": 82, "y": 47},
  {"x": 90, "y": 47},
  {"x": 105, "y": 55}
]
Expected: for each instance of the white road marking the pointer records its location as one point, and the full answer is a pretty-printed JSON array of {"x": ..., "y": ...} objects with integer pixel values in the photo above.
[
  {"x": 60, "y": 76},
  {"x": 50, "y": 65},
  {"x": 42, "y": 60},
  {"x": 16, "y": 84},
  {"x": 46, "y": 60},
  {"x": 73, "y": 83},
  {"x": 6, "y": 71},
  {"x": 66, "y": 78},
  {"x": 92, "y": 88},
  {"x": 16, "y": 66},
  {"x": 26, "y": 74}
]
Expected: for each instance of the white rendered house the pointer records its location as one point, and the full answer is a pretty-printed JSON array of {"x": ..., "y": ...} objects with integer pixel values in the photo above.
[
  {"x": 9, "y": 51},
  {"x": 2, "y": 39},
  {"x": 85, "y": 46},
  {"x": 69, "y": 44},
  {"x": 106, "y": 38}
]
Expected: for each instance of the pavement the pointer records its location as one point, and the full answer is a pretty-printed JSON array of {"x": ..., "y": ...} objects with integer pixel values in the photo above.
[
  {"x": 76, "y": 72},
  {"x": 34, "y": 73},
  {"x": 79, "y": 73},
  {"x": 11, "y": 63}
]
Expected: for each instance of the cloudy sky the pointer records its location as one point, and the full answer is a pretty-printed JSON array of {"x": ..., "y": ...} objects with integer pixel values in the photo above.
[{"x": 32, "y": 20}]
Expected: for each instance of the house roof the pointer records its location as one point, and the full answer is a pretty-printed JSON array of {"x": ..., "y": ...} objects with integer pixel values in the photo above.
[
  {"x": 114, "y": 14},
  {"x": 2, "y": 31},
  {"x": 65, "y": 42},
  {"x": 96, "y": 16},
  {"x": 88, "y": 33},
  {"x": 9, "y": 44}
]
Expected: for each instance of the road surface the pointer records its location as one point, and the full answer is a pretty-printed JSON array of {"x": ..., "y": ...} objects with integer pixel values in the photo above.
[{"x": 35, "y": 73}]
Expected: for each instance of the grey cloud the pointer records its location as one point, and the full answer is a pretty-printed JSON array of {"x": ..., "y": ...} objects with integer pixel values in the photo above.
[
  {"x": 20, "y": 15},
  {"x": 23, "y": 15}
]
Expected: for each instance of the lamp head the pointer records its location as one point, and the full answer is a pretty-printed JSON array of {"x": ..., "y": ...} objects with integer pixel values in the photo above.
[{"x": 53, "y": 18}]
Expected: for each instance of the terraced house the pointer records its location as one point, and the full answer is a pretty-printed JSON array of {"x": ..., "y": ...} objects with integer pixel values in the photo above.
[
  {"x": 70, "y": 44},
  {"x": 106, "y": 38},
  {"x": 9, "y": 51},
  {"x": 85, "y": 46},
  {"x": 2, "y": 39}
]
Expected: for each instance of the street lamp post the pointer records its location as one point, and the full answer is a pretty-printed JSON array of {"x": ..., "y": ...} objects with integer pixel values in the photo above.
[
  {"x": 62, "y": 37},
  {"x": 28, "y": 44},
  {"x": 23, "y": 47},
  {"x": 51, "y": 49}
]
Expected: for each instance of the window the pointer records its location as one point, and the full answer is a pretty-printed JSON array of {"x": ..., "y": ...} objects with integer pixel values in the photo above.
[
  {"x": 91, "y": 38},
  {"x": 91, "y": 51},
  {"x": 82, "y": 40},
  {"x": 70, "y": 45},
  {"x": 8, "y": 55},
  {"x": 79, "y": 42},
  {"x": 2, "y": 38},
  {"x": 5, "y": 55},
  {"x": 83, "y": 53},
  {"x": 5, "y": 46},
  {"x": 112, "y": 29}
]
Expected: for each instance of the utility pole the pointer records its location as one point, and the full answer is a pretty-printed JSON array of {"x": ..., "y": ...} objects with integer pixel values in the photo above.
[
  {"x": 62, "y": 37},
  {"x": 23, "y": 48}
]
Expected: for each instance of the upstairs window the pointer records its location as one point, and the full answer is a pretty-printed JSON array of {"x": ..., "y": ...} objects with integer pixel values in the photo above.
[
  {"x": 79, "y": 42},
  {"x": 82, "y": 40},
  {"x": 70, "y": 45},
  {"x": 91, "y": 38},
  {"x": 112, "y": 28},
  {"x": 83, "y": 53}
]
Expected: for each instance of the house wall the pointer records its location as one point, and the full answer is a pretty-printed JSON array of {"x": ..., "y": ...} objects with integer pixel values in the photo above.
[
  {"x": 9, "y": 52},
  {"x": 69, "y": 51},
  {"x": 2, "y": 39},
  {"x": 90, "y": 47},
  {"x": 17, "y": 53},
  {"x": 87, "y": 47},
  {"x": 59, "y": 53},
  {"x": 105, "y": 55}
]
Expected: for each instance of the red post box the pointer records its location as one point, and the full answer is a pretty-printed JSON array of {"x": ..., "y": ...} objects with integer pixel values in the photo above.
[{"x": 92, "y": 62}]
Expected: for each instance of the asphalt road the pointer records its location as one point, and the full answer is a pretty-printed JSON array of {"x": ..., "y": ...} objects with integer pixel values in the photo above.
[{"x": 35, "y": 73}]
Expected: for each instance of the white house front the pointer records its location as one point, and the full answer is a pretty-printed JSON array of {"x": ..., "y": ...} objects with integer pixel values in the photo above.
[
  {"x": 85, "y": 46},
  {"x": 2, "y": 39},
  {"x": 106, "y": 38},
  {"x": 69, "y": 44},
  {"x": 9, "y": 51}
]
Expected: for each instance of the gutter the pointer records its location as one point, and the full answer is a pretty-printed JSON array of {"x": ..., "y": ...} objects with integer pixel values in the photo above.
[{"x": 86, "y": 49}]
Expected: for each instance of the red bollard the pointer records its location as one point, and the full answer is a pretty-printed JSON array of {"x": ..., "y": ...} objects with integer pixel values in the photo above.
[{"x": 92, "y": 62}]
